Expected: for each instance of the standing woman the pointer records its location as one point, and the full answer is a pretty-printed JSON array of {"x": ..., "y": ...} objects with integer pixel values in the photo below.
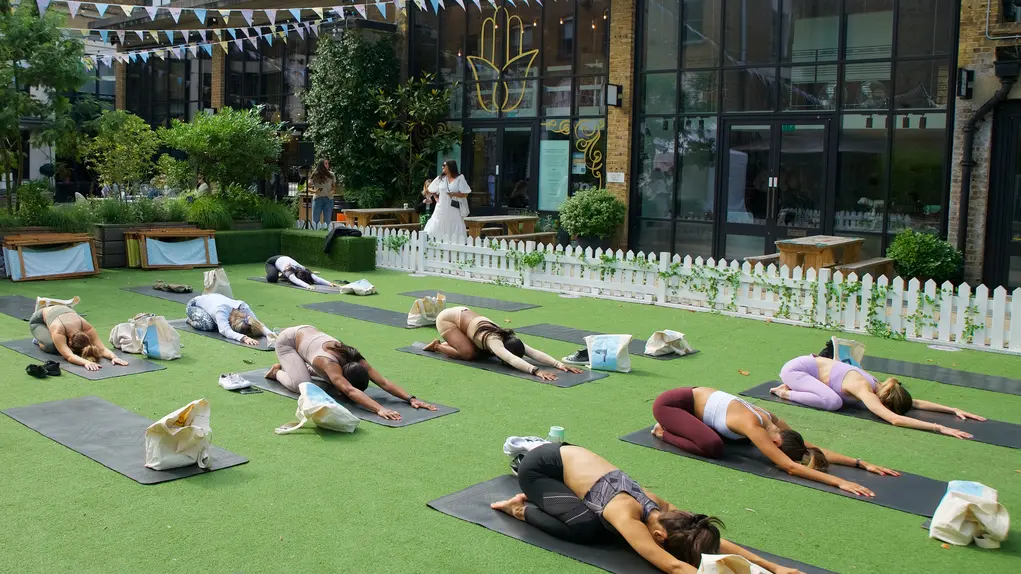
[
  {"x": 451, "y": 192},
  {"x": 322, "y": 181}
]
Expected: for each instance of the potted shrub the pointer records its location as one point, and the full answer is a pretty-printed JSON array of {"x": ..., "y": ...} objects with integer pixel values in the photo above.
[
  {"x": 592, "y": 216},
  {"x": 925, "y": 256}
]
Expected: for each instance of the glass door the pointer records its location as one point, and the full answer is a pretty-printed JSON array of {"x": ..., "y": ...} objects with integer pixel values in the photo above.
[
  {"x": 483, "y": 146},
  {"x": 775, "y": 177},
  {"x": 1003, "y": 236},
  {"x": 516, "y": 168},
  {"x": 500, "y": 166}
]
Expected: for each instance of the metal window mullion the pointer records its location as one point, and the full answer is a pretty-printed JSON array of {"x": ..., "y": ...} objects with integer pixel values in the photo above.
[{"x": 891, "y": 107}]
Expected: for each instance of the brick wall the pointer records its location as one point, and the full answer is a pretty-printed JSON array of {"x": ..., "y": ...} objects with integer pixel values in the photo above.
[
  {"x": 976, "y": 52},
  {"x": 219, "y": 79},
  {"x": 120, "y": 98},
  {"x": 618, "y": 120}
]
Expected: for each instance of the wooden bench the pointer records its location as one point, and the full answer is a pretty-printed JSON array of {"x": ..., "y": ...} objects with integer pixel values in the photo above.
[
  {"x": 876, "y": 266},
  {"x": 492, "y": 231},
  {"x": 19, "y": 242},
  {"x": 538, "y": 237},
  {"x": 409, "y": 226},
  {"x": 139, "y": 237},
  {"x": 381, "y": 221},
  {"x": 763, "y": 259}
]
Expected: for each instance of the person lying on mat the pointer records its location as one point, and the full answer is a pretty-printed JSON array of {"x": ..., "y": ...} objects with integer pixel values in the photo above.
[
  {"x": 695, "y": 418},
  {"x": 574, "y": 494},
  {"x": 58, "y": 329},
  {"x": 466, "y": 335},
  {"x": 305, "y": 350},
  {"x": 232, "y": 318},
  {"x": 824, "y": 384},
  {"x": 294, "y": 272}
]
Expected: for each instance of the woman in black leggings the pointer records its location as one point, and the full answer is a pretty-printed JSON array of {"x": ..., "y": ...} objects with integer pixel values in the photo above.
[{"x": 576, "y": 495}]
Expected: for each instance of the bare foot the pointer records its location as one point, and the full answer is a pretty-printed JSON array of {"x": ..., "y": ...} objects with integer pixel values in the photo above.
[
  {"x": 514, "y": 507},
  {"x": 783, "y": 391},
  {"x": 74, "y": 301},
  {"x": 432, "y": 346},
  {"x": 657, "y": 431},
  {"x": 272, "y": 374}
]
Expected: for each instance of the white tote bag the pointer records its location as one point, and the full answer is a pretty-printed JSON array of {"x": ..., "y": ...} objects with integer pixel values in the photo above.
[
  {"x": 216, "y": 281},
  {"x": 970, "y": 511},
  {"x": 124, "y": 338},
  {"x": 181, "y": 438},
  {"x": 728, "y": 564},
  {"x": 667, "y": 342},
  {"x": 157, "y": 338},
  {"x": 360, "y": 287},
  {"x": 424, "y": 311},
  {"x": 320, "y": 408},
  {"x": 609, "y": 353}
]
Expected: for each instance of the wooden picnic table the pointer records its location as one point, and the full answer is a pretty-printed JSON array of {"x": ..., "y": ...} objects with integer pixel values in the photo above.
[
  {"x": 516, "y": 224},
  {"x": 819, "y": 251},
  {"x": 364, "y": 217}
]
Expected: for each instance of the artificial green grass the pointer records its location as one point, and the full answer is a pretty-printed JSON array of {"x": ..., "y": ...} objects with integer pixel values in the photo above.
[{"x": 323, "y": 502}]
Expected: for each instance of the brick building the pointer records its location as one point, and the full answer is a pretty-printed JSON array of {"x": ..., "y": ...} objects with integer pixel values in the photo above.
[{"x": 740, "y": 122}]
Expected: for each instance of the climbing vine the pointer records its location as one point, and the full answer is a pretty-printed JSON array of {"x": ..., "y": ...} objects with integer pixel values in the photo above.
[
  {"x": 396, "y": 242},
  {"x": 970, "y": 326}
]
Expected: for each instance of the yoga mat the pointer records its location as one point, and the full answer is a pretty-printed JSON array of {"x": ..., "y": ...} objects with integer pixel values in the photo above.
[
  {"x": 908, "y": 492},
  {"x": 363, "y": 313},
  {"x": 997, "y": 433},
  {"x": 472, "y": 301},
  {"x": 943, "y": 375},
  {"x": 17, "y": 306},
  {"x": 577, "y": 336},
  {"x": 136, "y": 364},
  {"x": 109, "y": 435},
  {"x": 409, "y": 414},
  {"x": 472, "y": 505},
  {"x": 495, "y": 365},
  {"x": 181, "y": 298},
  {"x": 182, "y": 325},
  {"x": 285, "y": 283}
]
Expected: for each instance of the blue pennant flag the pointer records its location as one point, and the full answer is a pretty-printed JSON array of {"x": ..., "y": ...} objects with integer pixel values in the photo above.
[
  {"x": 436, "y": 6},
  {"x": 144, "y": 56},
  {"x": 269, "y": 39},
  {"x": 201, "y": 15},
  {"x": 131, "y": 57},
  {"x": 208, "y": 48},
  {"x": 233, "y": 32},
  {"x": 381, "y": 6},
  {"x": 296, "y": 12},
  {"x": 170, "y": 35},
  {"x": 104, "y": 34},
  {"x": 101, "y": 8}
]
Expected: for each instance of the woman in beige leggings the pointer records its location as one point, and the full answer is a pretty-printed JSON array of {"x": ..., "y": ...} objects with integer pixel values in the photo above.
[
  {"x": 305, "y": 350},
  {"x": 465, "y": 334}
]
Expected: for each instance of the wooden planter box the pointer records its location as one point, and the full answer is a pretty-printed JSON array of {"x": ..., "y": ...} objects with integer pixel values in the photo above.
[
  {"x": 18, "y": 231},
  {"x": 110, "y": 247}
]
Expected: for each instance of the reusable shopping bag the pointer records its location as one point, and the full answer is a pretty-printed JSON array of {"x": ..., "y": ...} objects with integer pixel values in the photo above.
[
  {"x": 424, "y": 311},
  {"x": 970, "y": 511},
  {"x": 360, "y": 287},
  {"x": 728, "y": 564},
  {"x": 667, "y": 342},
  {"x": 609, "y": 353},
  {"x": 848, "y": 351},
  {"x": 320, "y": 408},
  {"x": 216, "y": 281},
  {"x": 181, "y": 438}
]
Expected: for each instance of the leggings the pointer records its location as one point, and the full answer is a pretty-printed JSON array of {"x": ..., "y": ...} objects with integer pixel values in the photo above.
[
  {"x": 801, "y": 375},
  {"x": 675, "y": 412},
  {"x": 272, "y": 273},
  {"x": 293, "y": 368},
  {"x": 552, "y": 507}
]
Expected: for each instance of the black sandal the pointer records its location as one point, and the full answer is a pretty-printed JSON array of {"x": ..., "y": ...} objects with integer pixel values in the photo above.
[
  {"x": 52, "y": 368},
  {"x": 37, "y": 371}
]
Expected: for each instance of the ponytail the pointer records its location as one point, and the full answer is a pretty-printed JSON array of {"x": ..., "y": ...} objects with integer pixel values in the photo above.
[{"x": 689, "y": 536}]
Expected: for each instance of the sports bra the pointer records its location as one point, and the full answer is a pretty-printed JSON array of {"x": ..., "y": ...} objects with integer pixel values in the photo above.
[
  {"x": 610, "y": 485},
  {"x": 714, "y": 415}
]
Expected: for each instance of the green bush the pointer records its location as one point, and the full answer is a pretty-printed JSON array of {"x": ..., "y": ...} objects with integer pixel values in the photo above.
[
  {"x": 173, "y": 174},
  {"x": 209, "y": 213},
  {"x": 177, "y": 209},
  {"x": 367, "y": 197},
  {"x": 8, "y": 220},
  {"x": 276, "y": 215},
  {"x": 34, "y": 202},
  {"x": 592, "y": 213},
  {"x": 70, "y": 218},
  {"x": 925, "y": 256},
  {"x": 353, "y": 254},
  {"x": 241, "y": 203},
  {"x": 236, "y": 247},
  {"x": 150, "y": 211},
  {"x": 114, "y": 211}
]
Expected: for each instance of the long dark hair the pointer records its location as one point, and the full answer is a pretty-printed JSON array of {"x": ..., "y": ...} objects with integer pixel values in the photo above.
[
  {"x": 511, "y": 342},
  {"x": 451, "y": 166},
  {"x": 321, "y": 174}
]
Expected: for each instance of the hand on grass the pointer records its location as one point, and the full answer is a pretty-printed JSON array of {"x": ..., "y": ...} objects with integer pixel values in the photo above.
[
  {"x": 249, "y": 341},
  {"x": 965, "y": 415},
  {"x": 546, "y": 376},
  {"x": 786, "y": 570},
  {"x": 855, "y": 488},
  {"x": 879, "y": 469},
  {"x": 422, "y": 405},
  {"x": 310, "y": 288},
  {"x": 389, "y": 414}
]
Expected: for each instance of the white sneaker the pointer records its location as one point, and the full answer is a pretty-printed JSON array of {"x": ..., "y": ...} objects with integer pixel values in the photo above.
[
  {"x": 233, "y": 382},
  {"x": 516, "y": 445}
]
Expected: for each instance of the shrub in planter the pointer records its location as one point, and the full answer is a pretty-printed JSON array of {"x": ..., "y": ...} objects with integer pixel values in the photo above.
[
  {"x": 276, "y": 215},
  {"x": 592, "y": 216},
  {"x": 34, "y": 201},
  {"x": 208, "y": 213},
  {"x": 114, "y": 211},
  {"x": 8, "y": 220},
  {"x": 70, "y": 218},
  {"x": 925, "y": 256}
]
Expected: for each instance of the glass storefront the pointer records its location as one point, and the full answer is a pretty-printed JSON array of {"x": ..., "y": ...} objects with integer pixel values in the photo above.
[
  {"x": 528, "y": 88},
  {"x": 161, "y": 90},
  {"x": 760, "y": 120},
  {"x": 272, "y": 76}
]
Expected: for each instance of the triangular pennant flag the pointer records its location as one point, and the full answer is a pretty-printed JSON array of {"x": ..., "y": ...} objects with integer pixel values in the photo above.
[
  {"x": 233, "y": 33},
  {"x": 145, "y": 56},
  {"x": 283, "y": 37},
  {"x": 120, "y": 36},
  {"x": 104, "y": 34},
  {"x": 249, "y": 15},
  {"x": 339, "y": 11},
  {"x": 460, "y": 3},
  {"x": 238, "y": 44},
  {"x": 539, "y": 2},
  {"x": 444, "y": 6},
  {"x": 152, "y": 10},
  {"x": 208, "y": 48},
  {"x": 200, "y": 14},
  {"x": 225, "y": 14},
  {"x": 242, "y": 32},
  {"x": 161, "y": 54},
  {"x": 271, "y": 13},
  {"x": 175, "y": 13},
  {"x": 285, "y": 27},
  {"x": 194, "y": 49},
  {"x": 421, "y": 4},
  {"x": 301, "y": 32},
  {"x": 319, "y": 12},
  {"x": 254, "y": 40},
  {"x": 155, "y": 35},
  {"x": 140, "y": 34},
  {"x": 72, "y": 7},
  {"x": 170, "y": 35},
  {"x": 202, "y": 33},
  {"x": 360, "y": 9},
  {"x": 127, "y": 9},
  {"x": 269, "y": 39},
  {"x": 477, "y": 4},
  {"x": 296, "y": 12},
  {"x": 180, "y": 52},
  {"x": 511, "y": 3},
  {"x": 131, "y": 57},
  {"x": 315, "y": 29},
  {"x": 381, "y": 6},
  {"x": 224, "y": 46},
  {"x": 101, "y": 8}
]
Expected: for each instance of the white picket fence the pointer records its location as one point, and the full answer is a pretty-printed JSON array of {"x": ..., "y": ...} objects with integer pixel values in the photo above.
[{"x": 930, "y": 313}]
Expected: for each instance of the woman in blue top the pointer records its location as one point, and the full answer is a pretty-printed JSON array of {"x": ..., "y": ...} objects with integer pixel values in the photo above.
[
  {"x": 232, "y": 318},
  {"x": 576, "y": 495}
]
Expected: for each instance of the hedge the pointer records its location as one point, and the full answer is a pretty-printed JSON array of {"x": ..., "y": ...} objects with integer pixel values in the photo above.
[
  {"x": 348, "y": 253},
  {"x": 256, "y": 246}
]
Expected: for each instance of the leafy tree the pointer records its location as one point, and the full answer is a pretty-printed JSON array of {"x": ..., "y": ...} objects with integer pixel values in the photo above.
[
  {"x": 38, "y": 67},
  {"x": 230, "y": 147},
  {"x": 341, "y": 107},
  {"x": 411, "y": 131},
  {"x": 122, "y": 151}
]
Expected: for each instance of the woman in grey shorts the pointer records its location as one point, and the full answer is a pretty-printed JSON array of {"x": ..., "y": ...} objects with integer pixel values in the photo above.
[{"x": 60, "y": 330}]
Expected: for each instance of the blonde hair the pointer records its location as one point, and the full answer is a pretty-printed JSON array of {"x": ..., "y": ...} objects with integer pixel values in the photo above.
[
  {"x": 246, "y": 325},
  {"x": 816, "y": 460},
  {"x": 82, "y": 346},
  {"x": 894, "y": 396}
]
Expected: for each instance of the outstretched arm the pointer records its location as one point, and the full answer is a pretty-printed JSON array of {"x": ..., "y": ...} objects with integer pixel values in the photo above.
[
  {"x": 393, "y": 388},
  {"x": 761, "y": 440},
  {"x": 728, "y": 547},
  {"x": 938, "y": 408},
  {"x": 544, "y": 359},
  {"x": 363, "y": 400},
  {"x": 873, "y": 403},
  {"x": 96, "y": 341},
  {"x": 639, "y": 538}
]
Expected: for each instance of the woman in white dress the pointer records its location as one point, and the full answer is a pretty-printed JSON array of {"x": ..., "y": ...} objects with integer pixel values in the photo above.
[{"x": 451, "y": 196}]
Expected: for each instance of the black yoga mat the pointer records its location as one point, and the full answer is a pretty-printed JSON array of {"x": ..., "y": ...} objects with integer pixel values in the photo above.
[
  {"x": 473, "y": 301},
  {"x": 181, "y": 298},
  {"x": 409, "y": 414},
  {"x": 577, "y": 336},
  {"x": 182, "y": 325},
  {"x": 17, "y": 306},
  {"x": 943, "y": 375},
  {"x": 325, "y": 290},
  {"x": 363, "y": 313},
  {"x": 109, "y": 435},
  {"x": 472, "y": 505},
  {"x": 908, "y": 492},
  {"x": 136, "y": 364},
  {"x": 997, "y": 433},
  {"x": 494, "y": 365}
]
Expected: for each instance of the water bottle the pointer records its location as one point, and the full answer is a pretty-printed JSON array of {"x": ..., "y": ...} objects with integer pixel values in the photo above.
[{"x": 556, "y": 434}]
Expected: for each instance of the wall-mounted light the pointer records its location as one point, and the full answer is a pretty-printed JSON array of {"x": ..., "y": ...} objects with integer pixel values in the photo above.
[
  {"x": 922, "y": 122},
  {"x": 459, "y": 54},
  {"x": 868, "y": 122},
  {"x": 613, "y": 95},
  {"x": 593, "y": 24},
  {"x": 561, "y": 21},
  {"x": 906, "y": 122},
  {"x": 606, "y": 14}
]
